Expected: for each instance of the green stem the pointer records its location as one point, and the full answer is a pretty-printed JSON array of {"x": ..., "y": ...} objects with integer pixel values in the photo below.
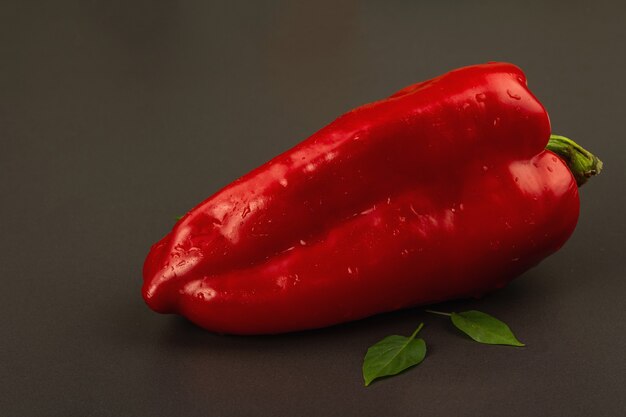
[
  {"x": 580, "y": 161},
  {"x": 441, "y": 313},
  {"x": 416, "y": 331}
]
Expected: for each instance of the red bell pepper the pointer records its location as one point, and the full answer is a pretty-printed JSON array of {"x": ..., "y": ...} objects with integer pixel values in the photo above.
[{"x": 443, "y": 190}]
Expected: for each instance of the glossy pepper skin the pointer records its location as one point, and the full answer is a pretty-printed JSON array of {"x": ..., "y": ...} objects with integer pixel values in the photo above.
[{"x": 443, "y": 190}]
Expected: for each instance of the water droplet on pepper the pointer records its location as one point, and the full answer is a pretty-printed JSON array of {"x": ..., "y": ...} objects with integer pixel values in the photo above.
[{"x": 513, "y": 95}]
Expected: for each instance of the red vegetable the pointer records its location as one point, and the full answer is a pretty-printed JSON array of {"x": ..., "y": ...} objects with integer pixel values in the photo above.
[{"x": 443, "y": 190}]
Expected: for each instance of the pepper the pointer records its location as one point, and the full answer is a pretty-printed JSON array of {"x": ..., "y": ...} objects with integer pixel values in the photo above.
[{"x": 444, "y": 190}]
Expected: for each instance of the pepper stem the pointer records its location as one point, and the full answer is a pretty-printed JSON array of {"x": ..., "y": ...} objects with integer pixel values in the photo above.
[{"x": 580, "y": 161}]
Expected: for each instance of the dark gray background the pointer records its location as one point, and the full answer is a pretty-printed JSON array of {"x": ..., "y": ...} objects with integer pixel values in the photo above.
[{"x": 118, "y": 116}]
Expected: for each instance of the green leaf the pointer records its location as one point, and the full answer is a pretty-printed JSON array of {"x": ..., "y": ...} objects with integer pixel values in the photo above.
[
  {"x": 484, "y": 328},
  {"x": 178, "y": 217},
  {"x": 393, "y": 355}
]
